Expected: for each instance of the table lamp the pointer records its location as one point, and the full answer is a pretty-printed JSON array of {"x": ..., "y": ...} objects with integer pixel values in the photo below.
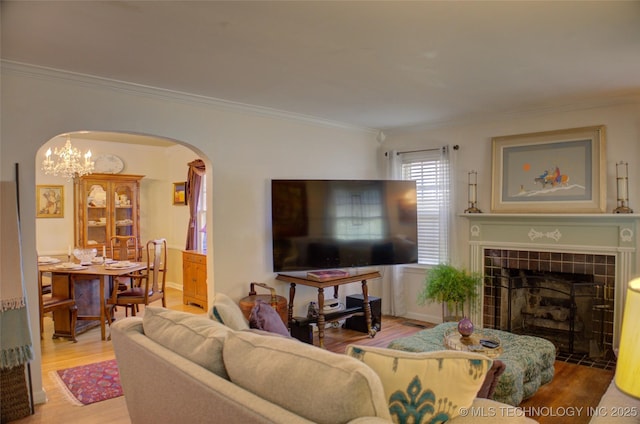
[{"x": 628, "y": 365}]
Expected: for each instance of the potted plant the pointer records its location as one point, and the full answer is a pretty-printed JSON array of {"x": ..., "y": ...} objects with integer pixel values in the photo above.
[{"x": 451, "y": 286}]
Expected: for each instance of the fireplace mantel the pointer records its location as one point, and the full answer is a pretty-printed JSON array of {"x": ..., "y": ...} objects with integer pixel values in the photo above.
[
  {"x": 608, "y": 234},
  {"x": 598, "y": 217}
]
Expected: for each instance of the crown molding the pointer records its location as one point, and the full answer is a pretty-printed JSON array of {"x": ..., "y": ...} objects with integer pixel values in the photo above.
[
  {"x": 632, "y": 97},
  {"x": 51, "y": 74}
]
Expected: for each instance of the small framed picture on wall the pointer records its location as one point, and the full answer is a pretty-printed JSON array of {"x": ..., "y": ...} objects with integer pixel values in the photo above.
[
  {"x": 50, "y": 201},
  {"x": 180, "y": 193}
]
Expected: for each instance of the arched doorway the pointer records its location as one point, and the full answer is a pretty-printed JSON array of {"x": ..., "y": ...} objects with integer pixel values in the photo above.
[{"x": 162, "y": 161}]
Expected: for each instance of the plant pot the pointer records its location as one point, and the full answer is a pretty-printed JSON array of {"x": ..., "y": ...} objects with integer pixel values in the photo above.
[{"x": 450, "y": 314}]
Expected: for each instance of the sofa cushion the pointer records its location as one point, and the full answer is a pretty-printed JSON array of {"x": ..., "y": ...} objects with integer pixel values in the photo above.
[
  {"x": 426, "y": 386},
  {"x": 197, "y": 338},
  {"x": 264, "y": 317},
  {"x": 227, "y": 312},
  {"x": 319, "y": 385}
]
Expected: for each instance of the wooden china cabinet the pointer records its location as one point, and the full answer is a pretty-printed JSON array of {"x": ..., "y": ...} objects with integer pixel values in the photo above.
[{"x": 106, "y": 205}]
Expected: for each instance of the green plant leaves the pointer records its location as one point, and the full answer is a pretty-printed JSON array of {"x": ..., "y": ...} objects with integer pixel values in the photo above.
[{"x": 448, "y": 284}]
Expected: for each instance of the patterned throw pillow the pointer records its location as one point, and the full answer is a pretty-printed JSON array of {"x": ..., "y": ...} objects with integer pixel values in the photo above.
[
  {"x": 227, "y": 312},
  {"x": 425, "y": 387}
]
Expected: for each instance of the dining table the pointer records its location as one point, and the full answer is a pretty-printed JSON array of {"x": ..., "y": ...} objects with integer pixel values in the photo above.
[{"x": 90, "y": 284}]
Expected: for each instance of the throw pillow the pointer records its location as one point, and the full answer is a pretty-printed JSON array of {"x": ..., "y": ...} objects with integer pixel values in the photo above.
[
  {"x": 264, "y": 317},
  {"x": 321, "y": 386},
  {"x": 424, "y": 387},
  {"x": 488, "y": 387},
  {"x": 227, "y": 312},
  {"x": 197, "y": 338}
]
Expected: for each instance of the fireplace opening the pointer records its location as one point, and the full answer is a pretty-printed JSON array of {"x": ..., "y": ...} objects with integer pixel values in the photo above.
[
  {"x": 564, "y": 298},
  {"x": 557, "y": 306}
]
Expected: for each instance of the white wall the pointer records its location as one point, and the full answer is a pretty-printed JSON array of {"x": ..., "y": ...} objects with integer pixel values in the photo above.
[
  {"x": 622, "y": 123},
  {"x": 243, "y": 149}
]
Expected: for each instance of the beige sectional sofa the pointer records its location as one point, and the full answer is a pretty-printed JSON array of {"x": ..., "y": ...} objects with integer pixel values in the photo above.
[{"x": 177, "y": 367}]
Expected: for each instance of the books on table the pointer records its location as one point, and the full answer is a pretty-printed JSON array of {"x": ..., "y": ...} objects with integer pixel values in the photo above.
[{"x": 327, "y": 274}]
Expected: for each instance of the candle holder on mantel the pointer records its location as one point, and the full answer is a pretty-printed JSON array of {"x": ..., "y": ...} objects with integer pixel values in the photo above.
[
  {"x": 473, "y": 193},
  {"x": 622, "y": 187}
]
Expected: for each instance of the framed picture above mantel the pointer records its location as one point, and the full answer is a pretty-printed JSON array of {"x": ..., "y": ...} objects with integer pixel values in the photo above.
[{"x": 561, "y": 171}]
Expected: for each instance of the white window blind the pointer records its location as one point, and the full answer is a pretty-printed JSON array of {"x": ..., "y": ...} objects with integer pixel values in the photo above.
[{"x": 430, "y": 170}]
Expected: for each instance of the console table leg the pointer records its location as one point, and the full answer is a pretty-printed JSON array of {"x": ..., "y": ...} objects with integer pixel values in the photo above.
[
  {"x": 321, "y": 317},
  {"x": 292, "y": 294},
  {"x": 367, "y": 309}
]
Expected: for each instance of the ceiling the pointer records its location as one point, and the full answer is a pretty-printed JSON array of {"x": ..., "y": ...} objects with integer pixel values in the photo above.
[{"x": 379, "y": 65}]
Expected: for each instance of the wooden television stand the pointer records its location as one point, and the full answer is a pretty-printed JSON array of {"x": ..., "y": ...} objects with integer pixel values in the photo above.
[{"x": 335, "y": 283}]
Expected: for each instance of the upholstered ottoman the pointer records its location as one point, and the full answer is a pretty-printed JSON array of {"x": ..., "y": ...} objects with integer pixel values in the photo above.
[{"x": 529, "y": 360}]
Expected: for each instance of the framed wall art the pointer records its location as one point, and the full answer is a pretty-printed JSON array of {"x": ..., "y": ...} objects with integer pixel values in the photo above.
[
  {"x": 180, "y": 193},
  {"x": 50, "y": 201},
  {"x": 562, "y": 171}
]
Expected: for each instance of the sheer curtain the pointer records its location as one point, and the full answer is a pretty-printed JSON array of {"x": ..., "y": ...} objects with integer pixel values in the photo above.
[
  {"x": 194, "y": 183},
  {"x": 392, "y": 287}
]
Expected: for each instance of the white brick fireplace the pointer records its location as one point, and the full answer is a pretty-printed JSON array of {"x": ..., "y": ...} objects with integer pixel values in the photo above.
[{"x": 605, "y": 244}]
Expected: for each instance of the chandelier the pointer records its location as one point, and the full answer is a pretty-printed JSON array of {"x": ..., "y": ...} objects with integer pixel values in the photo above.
[{"x": 67, "y": 162}]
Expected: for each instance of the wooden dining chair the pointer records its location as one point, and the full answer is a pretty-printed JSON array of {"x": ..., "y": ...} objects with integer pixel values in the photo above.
[
  {"x": 148, "y": 287},
  {"x": 124, "y": 248},
  {"x": 50, "y": 302}
]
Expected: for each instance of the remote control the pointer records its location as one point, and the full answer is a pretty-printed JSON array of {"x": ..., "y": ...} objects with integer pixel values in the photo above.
[{"x": 489, "y": 343}]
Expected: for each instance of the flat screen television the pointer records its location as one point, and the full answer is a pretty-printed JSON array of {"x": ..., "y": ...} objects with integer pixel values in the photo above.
[{"x": 323, "y": 224}]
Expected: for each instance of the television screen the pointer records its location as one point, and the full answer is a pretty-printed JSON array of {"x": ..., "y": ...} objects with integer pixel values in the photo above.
[{"x": 321, "y": 224}]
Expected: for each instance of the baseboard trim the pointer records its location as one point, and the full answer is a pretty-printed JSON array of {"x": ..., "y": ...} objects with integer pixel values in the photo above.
[
  {"x": 434, "y": 319},
  {"x": 39, "y": 397},
  {"x": 173, "y": 285}
]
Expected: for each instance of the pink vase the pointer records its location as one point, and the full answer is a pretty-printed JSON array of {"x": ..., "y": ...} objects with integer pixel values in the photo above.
[{"x": 465, "y": 327}]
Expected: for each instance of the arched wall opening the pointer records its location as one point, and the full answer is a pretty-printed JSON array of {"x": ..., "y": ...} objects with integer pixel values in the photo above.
[{"x": 163, "y": 161}]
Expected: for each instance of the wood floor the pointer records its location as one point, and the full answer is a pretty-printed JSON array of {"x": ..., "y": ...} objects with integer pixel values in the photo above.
[
  {"x": 61, "y": 353},
  {"x": 573, "y": 386}
]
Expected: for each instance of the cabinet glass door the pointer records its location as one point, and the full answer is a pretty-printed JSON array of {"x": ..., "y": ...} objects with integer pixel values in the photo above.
[
  {"x": 124, "y": 199},
  {"x": 97, "y": 221}
]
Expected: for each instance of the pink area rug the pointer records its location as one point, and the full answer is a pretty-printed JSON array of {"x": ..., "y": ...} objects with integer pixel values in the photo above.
[{"x": 91, "y": 383}]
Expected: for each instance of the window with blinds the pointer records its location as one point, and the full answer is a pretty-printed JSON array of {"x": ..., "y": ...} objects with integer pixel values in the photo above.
[{"x": 430, "y": 170}]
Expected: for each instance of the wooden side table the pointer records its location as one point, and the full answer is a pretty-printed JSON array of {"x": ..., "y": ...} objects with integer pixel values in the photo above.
[{"x": 321, "y": 285}]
